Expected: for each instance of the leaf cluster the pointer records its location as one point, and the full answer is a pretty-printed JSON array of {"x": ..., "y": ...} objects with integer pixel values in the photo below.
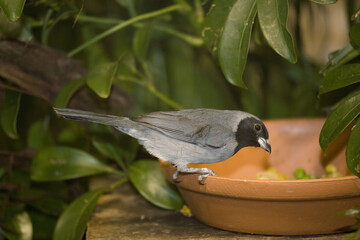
[
  {"x": 342, "y": 74},
  {"x": 228, "y": 27},
  {"x": 354, "y": 212},
  {"x": 37, "y": 203}
]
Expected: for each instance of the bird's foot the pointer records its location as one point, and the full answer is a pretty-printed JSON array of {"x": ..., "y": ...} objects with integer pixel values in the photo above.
[
  {"x": 202, "y": 177},
  {"x": 205, "y": 172}
]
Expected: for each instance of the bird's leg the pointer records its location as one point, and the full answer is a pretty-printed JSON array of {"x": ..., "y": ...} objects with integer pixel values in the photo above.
[{"x": 205, "y": 172}]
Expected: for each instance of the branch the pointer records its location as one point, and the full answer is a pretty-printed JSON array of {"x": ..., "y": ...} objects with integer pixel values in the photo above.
[{"x": 41, "y": 71}]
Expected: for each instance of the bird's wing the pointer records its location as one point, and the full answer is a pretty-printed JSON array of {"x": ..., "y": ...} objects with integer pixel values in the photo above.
[{"x": 192, "y": 126}]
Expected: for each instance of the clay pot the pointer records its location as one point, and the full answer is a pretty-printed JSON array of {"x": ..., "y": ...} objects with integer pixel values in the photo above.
[{"x": 235, "y": 201}]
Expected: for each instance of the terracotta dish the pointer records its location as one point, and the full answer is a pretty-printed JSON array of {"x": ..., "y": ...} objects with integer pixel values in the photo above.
[{"x": 235, "y": 201}]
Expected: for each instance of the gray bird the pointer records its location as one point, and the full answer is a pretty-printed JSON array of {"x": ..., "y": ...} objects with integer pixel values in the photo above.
[{"x": 186, "y": 136}]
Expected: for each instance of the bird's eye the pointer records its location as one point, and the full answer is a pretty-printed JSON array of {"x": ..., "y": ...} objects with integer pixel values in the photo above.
[{"x": 257, "y": 127}]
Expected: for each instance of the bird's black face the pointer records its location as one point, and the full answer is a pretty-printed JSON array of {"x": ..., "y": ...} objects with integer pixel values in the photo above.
[{"x": 252, "y": 132}]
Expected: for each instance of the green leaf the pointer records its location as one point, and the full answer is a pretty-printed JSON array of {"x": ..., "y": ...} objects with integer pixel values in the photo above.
[
  {"x": 10, "y": 29},
  {"x": 340, "y": 57},
  {"x": 108, "y": 149},
  {"x": 65, "y": 94},
  {"x": 100, "y": 78},
  {"x": 9, "y": 113},
  {"x": 340, "y": 77},
  {"x": 324, "y": 1},
  {"x": 45, "y": 200},
  {"x": 141, "y": 41},
  {"x": 214, "y": 23},
  {"x": 12, "y": 8},
  {"x": 39, "y": 135},
  {"x": 72, "y": 134},
  {"x": 101, "y": 130},
  {"x": 97, "y": 53},
  {"x": 353, "y": 235},
  {"x": 353, "y": 151},
  {"x": 114, "y": 152},
  {"x": 20, "y": 178},
  {"x": 344, "y": 113},
  {"x": 43, "y": 225},
  {"x": 353, "y": 212},
  {"x": 60, "y": 163},
  {"x": 227, "y": 30},
  {"x": 147, "y": 178},
  {"x": 130, "y": 5},
  {"x": 355, "y": 34},
  {"x": 49, "y": 205},
  {"x": 273, "y": 17},
  {"x": 20, "y": 225},
  {"x": 127, "y": 68},
  {"x": 72, "y": 222},
  {"x": 233, "y": 49}
]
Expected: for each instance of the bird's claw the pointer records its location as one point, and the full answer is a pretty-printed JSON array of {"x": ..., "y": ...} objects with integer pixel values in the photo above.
[
  {"x": 202, "y": 177},
  {"x": 175, "y": 175}
]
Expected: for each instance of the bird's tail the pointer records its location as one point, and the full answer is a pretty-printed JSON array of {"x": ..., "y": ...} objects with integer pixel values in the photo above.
[{"x": 80, "y": 115}]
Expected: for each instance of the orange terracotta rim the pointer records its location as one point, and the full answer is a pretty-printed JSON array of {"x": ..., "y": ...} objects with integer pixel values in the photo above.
[{"x": 306, "y": 189}]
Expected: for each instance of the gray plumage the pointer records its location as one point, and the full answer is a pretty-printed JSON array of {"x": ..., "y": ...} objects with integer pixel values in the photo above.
[{"x": 186, "y": 136}]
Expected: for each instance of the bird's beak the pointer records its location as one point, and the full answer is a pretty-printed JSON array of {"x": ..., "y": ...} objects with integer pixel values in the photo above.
[{"x": 265, "y": 144}]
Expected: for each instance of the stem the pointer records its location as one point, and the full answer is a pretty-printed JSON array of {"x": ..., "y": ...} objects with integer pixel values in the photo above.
[
  {"x": 117, "y": 183},
  {"x": 113, "y": 170},
  {"x": 132, "y": 80},
  {"x": 151, "y": 87},
  {"x": 193, "y": 40},
  {"x": 99, "y": 20},
  {"x": 124, "y": 24},
  {"x": 131, "y": 7},
  {"x": 44, "y": 33},
  {"x": 163, "y": 97},
  {"x": 199, "y": 12},
  {"x": 153, "y": 90}
]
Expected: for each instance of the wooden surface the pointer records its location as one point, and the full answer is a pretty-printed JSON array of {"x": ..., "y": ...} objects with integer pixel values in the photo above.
[{"x": 124, "y": 214}]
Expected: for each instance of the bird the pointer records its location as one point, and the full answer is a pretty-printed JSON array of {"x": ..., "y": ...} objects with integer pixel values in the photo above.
[{"x": 188, "y": 136}]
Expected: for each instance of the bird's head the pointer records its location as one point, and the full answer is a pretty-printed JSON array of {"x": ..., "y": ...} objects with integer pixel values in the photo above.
[{"x": 251, "y": 132}]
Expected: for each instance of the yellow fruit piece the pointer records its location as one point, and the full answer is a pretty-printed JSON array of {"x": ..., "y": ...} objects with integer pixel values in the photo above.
[
  {"x": 331, "y": 172},
  {"x": 270, "y": 173},
  {"x": 186, "y": 211},
  {"x": 330, "y": 168}
]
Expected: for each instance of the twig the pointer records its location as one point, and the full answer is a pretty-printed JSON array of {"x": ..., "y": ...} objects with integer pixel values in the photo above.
[
  {"x": 79, "y": 13},
  {"x": 13, "y": 88}
]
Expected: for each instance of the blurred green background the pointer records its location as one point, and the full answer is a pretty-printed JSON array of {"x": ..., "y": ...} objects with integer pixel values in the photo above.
[{"x": 184, "y": 73}]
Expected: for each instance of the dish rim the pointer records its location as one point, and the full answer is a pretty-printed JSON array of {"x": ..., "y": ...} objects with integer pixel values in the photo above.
[{"x": 270, "y": 189}]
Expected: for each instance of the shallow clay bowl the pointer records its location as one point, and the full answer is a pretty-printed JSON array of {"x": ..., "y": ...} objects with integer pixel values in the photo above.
[{"x": 235, "y": 201}]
